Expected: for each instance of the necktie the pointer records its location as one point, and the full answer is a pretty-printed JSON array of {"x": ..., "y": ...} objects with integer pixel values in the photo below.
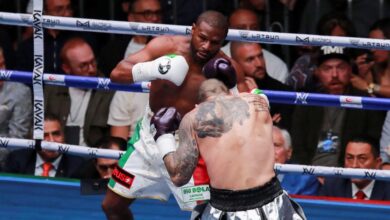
[
  {"x": 47, "y": 166},
  {"x": 360, "y": 195}
]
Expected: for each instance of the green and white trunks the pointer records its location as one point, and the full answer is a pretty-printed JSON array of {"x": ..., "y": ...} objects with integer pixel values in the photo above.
[{"x": 141, "y": 172}]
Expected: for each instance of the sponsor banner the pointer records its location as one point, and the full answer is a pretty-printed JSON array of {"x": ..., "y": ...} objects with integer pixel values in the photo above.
[
  {"x": 351, "y": 101},
  {"x": 5, "y": 74},
  {"x": 38, "y": 70},
  {"x": 122, "y": 177},
  {"x": 103, "y": 83},
  {"x": 301, "y": 98},
  {"x": 195, "y": 193}
]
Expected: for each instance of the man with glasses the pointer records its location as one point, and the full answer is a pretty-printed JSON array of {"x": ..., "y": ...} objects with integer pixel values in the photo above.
[
  {"x": 124, "y": 113},
  {"x": 83, "y": 111}
]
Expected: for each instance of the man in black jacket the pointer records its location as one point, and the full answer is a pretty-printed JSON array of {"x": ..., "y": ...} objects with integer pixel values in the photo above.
[
  {"x": 45, "y": 163},
  {"x": 362, "y": 153}
]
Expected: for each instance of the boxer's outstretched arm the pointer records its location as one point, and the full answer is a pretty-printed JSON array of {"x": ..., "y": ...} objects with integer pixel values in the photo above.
[{"x": 182, "y": 162}]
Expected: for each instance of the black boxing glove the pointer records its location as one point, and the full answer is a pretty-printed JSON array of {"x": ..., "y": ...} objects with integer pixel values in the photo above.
[
  {"x": 166, "y": 121},
  {"x": 221, "y": 69}
]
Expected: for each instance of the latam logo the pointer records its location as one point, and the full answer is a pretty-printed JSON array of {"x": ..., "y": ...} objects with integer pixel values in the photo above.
[
  {"x": 82, "y": 24},
  {"x": 103, "y": 83},
  {"x": 4, "y": 143},
  {"x": 133, "y": 26},
  {"x": 93, "y": 25},
  {"x": 155, "y": 29},
  {"x": 92, "y": 152},
  {"x": 301, "y": 98},
  {"x": 351, "y": 101},
  {"x": 5, "y": 74},
  {"x": 63, "y": 148},
  {"x": 369, "y": 175},
  {"x": 354, "y": 42},
  {"x": 51, "y": 22},
  {"x": 338, "y": 172}
]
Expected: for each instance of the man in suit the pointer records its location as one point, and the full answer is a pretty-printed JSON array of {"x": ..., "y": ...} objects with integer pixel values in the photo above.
[
  {"x": 83, "y": 111},
  {"x": 45, "y": 163},
  {"x": 360, "y": 153}
]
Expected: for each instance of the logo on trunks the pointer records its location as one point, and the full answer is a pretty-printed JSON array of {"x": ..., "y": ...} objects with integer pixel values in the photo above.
[
  {"x": 103, "y": 83},
  {"x": 63, "y": 148},
  {"x": 5, "y": 74},
  {"x": 4, "y": 143},
  {"x": 92, "y": 152},
  {"x": 301, "y": 98},
  {"x": 122, "y": 177},
  {"x": 308, "y": 170},
  {"x": 370, "y": 175},
  {"x": 165, "y": 65}
]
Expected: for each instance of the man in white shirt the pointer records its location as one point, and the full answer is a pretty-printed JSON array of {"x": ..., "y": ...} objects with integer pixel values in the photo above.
[
  {"x": 362, "y": 153},
  {"x": 248, "y": 20},
  {"x": 127, "y": 108}
]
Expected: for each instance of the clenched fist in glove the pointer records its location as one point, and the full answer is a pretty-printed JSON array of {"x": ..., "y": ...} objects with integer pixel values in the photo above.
[
  {"x": 221, "y": 69},
  {"x": 166, "y": 121}
]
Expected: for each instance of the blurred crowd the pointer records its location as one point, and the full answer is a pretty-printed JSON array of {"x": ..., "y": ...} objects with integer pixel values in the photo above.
[{"x": 322, "y": 136}]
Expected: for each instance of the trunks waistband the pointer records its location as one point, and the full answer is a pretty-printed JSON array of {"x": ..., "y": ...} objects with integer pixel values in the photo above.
[{"x": 241, "y": 200}]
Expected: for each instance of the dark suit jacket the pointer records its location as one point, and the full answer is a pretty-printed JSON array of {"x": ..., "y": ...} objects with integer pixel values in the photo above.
[
  {"x": 307, "y": 122},
  {"x": 23, "y": 162},
  {"x": 57, "y": 102},
  {"x": 341, "y": 187}
]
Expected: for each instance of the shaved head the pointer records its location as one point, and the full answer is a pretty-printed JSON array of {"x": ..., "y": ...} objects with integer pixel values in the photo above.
[
  {"x": 212, "y": 87},
  {"x": 214, "y": 19}
]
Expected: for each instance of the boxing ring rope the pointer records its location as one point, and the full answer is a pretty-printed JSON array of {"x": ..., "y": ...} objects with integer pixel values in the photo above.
[
  {"x": 133, "y": 28},
  {"x": 138, "y": 28},
  {"x": 15, "y": 143},
  {"x": 296, "y": 98}
]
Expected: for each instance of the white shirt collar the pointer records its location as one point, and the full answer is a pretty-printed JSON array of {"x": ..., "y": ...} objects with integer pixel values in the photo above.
[{"x": 367, "y": 190}]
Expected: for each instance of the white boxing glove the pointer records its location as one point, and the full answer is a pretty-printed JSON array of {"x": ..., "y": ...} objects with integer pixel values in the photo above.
[
  {"x": 166, "y": 144},
  {"x": 169, "y": 67},
  {"x": 260, "y": 93}
]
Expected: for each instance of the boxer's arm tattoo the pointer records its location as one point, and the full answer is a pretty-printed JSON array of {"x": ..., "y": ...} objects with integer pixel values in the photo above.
[
  {"x": 214, "y": 118},
  {"x": 259, "y": 103},
  {"x": 181, "y": 163}
]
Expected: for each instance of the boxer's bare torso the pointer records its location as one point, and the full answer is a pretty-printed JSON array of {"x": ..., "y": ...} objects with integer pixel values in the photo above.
[
  {"x": 234, "y": 137},
  {"x": 162, "y": 92}
]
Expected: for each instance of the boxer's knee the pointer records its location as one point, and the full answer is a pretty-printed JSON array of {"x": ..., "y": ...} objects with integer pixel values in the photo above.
[{"x": 116, "y": 206}]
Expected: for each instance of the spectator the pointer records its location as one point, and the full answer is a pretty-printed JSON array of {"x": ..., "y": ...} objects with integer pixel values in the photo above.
[
  {"x": 45, "y": 163},
  {"x": 15, "y": 110},
  {"x": 318, "y": 133},
  {"x": 302, "y": 73},
  {"x": 126, "y": 108},
  {"x": 373, "y": 69},
  {"x": 385, "y": 166},
  {"x": 293, "y": 183},
  {"x": 83, "y": 111},
  {"x": 385, "y": 140},
  {"x": 101, "y": 168},
  {"x": 54, "y": 40},
  {"x": 247, "y": 20},
  {"x": 250, "y": 57},
  {"x": 360, "y": 153}
]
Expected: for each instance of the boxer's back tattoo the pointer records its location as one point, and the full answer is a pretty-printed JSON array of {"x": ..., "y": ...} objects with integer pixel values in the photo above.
[{"x": 216, "y": 117}]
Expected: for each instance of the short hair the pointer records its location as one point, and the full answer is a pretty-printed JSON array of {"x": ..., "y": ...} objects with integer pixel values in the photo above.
[
  {"x": 373, "y": 142},
  {"x": 54, "y": 117},
  {"x": 214, "y": 19},
  {"x": 333, "y": 19},
  {"x": 383, "y": 25},
  {"x": 107, "y": 142},
  {"x": 286, "y": 136},
  {"x": 211, "y": 87},
  {"x": 238, "y": 44},
  {"x": 70, "y": 44}
]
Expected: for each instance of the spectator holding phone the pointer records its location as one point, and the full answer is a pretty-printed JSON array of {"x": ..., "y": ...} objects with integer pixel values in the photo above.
[{"x": 373, "y": 69}]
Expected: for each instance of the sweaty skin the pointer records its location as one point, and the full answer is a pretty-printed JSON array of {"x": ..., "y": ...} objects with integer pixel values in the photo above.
[
  {"x": 234, "y": 137},
  {"x": 164, "y": 93}
]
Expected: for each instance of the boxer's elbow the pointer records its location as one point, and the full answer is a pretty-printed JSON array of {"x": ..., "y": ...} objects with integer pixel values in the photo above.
[
  {"x": 179, "y": 180},
  {"x": 121, "y": 73}
]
